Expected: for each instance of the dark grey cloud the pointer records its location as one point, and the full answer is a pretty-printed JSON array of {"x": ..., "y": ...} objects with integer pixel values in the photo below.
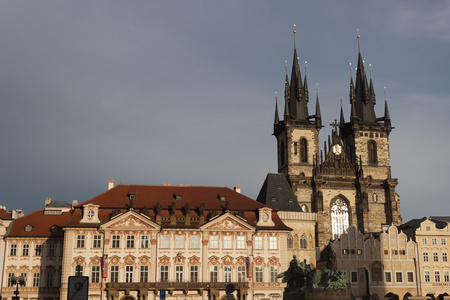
[{"x": 183, "y": 92}]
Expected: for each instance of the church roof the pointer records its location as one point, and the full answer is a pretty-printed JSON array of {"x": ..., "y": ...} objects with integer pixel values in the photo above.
[{"x": 277, "y": 193}]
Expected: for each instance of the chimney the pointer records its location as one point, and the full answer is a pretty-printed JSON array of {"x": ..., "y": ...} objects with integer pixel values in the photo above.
[
  {"x": 237, "y": 189},
  {"x": 74, "y": 202},
  {"x": 48, "y": 200},
  {"x": 110, "y": 184}
]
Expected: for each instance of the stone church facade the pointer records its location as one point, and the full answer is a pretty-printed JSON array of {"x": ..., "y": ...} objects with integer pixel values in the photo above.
[{"x": 348, "y": 182}]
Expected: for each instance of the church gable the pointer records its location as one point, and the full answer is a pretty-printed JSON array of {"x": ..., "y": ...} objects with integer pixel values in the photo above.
[
  {"x": 130, "y": 220},
  {"x": 227, "y": 222}
]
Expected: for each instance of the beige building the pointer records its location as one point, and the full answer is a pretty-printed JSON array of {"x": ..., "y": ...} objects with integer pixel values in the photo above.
[{"x": 133, "y": 242}]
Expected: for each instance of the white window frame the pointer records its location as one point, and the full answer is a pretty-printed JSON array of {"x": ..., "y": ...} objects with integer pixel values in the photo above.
[
  {"x": 25, "y": 250},
  {"x": 194, "y": 273},
  {"x": 258, "y": 243},
  {"x": 444, "y": 257},
  {"x": 129, "y": 270},
  {"x": 227, "y": 242},
  {"x": 240, "y": 242},
  {"x": 408, "y": 273},
  {"x": 446, "y": 276},
  {"x": 443, "y": 242},
  {"x": 179, "y": 270},
  {"x": 164, "y": 273},
  {"x": 143, "y": 276},
  {"x": 145, "y": 241},
  {"x": 273, "y": 273},
  {"x": 434, "y": 241},
  {"x": 194, "y": 242},
  {"x": 179, "y": 241},
  {"x": 259, "y": 274},
  {"x": 435, "y": 257},
  {"x": 97, "y": 241},
  {"x": 273, "y": 243},
  {"x": 425, "y": 257},
  {"x": 81, "y": 241},
  {"x": 38, "y": 250},
  {"x": 214, "y": 242},
  {"x": 115, "y": 241},
  {"x": 95, "y": 274},
  {"x": 165, "y": 241},
  {"x": 426, "y": 276},
  {"x": 396, "y": 276},
  {"x": 130, "y": 242},
  {"x": 242, "y": 272},
  {"x": 114, "y": 276},
  {"x": 437, "y": 276},
  {"x": 227, "y": 273},
  {"x": 36, "y": 277},
  {"x": 424, "y": 241},
  {"x": 213, "y": 273},
  {"x": 13, "y": 250}
]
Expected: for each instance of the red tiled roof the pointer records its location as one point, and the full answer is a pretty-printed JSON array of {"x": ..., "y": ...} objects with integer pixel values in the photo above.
[
  {"x": 41, "y": 225},
  {"x": 148, "y": 196},
  {"x": 4, "y": 215}
]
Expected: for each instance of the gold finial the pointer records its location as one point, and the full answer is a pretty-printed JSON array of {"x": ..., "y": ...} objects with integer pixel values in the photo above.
[
  {"x": 358, "y": 36},
  {"x": 370, "y": 70},
  {"x": 317, "y": 87},
  {"x": 285, "y": 66},
  {"x": 306, "y": 66},
  {"x": 294, "y": 37},
  {"x": 350, "y": 69},
  {"x": 276, "y": 96},
  {"x": 385, "y": 97}
]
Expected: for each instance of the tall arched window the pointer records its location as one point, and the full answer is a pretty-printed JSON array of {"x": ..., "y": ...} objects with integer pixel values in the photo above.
[
  {"x": 289, "y": 241},
  {"x": 339, "y": 217},
  {"x": 281, "y": 153},
  {"x": 303, "y": 243},
  {"x": 372, "y": 149},
  {"x": 303, "y": 150},
  {"x": 296, "y": 241}
]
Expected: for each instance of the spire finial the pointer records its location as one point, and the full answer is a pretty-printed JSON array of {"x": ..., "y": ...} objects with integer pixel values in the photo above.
[
  {"x": 341, "y": 102},
  {"x": 317, "y": 88},
  {"x": 306, "y": 66},
  {"x": 358, "y": 36},
  {"x": 295, "y": 47},
  {"x": 350, "y": 70},
  {"x": 385, "y": 97},
  {"x": 370, "y": 71}
]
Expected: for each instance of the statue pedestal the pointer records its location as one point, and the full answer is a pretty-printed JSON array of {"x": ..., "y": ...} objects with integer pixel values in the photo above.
[{"x": 321, "y": 294}]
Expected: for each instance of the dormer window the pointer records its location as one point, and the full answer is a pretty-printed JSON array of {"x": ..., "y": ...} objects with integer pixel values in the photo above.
[
  {"x": 54, "y": 228},
  {"x": 222, "y": 198},
  {"x": 178, "y": 197},
  {"x": 132, "y": 196},
  {"x": 29, "y": 228}
]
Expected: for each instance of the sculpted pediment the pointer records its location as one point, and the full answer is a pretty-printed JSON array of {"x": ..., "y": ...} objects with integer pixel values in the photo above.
[
  {"x": 227, "y": 222},
  {"x": 131, "y": 220}
]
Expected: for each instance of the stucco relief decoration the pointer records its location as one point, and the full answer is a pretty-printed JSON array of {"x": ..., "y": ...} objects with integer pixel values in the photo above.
[
  {"x": 205, "y": 242},
  {"x": 194, "y": 260},
  {"x": 249, "y": 242},
  {"x": 24, "y": 269},
  {"x": 90, "y": 206},
  {"x": 240, "y": 260},
  {"x": 36, "y": 269},
  {"x": 164, "y": 260},
  {"x": 131, "y": 221},
  {"x": 227, "y": 260},
  {"x": 274, "y": 261},
  {"x": 11, "y": 269},
  {"x": 144, "y": 260},
  {"x": 153, "y": 241},
  {"x": 179, "y": 259},
  {"x": 78, "y": 261},
  {"x": 114, "y": 260},
  {"x": 129, "y": 260},
  {"x": 227, "y": 223},
  {"x": 259, "y": 260},
  {"x": 95, "y": 261},
  {"x": 107, "y": 241},
  {"x": 214, "y": 260}
]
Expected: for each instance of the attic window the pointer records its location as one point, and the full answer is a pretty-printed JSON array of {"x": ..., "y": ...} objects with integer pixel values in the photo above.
[
  {"x": 54, "y": 228},
  {"x": 178, "y": 197},
  {"x": 222, "y": 198},
  {"x": 279, "y": 187},
  {"x": 290, "y": 200},
  {"x": 132, "y": 196},
  {"x": 29, "y": 228}
]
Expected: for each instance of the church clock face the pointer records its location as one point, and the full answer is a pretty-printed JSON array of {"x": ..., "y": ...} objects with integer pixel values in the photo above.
[{"x": 337, "y": 149}]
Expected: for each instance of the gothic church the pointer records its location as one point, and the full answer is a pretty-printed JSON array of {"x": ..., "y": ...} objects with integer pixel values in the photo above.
[{"x": 348, "y": 182}]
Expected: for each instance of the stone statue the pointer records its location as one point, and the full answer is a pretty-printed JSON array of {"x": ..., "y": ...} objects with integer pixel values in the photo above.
[
  {"x": 201, "y": 208},
  {"x": 173, "y": 208},
  {"x": 187, "y": 209},
  {"x": 158, "y": 208}
]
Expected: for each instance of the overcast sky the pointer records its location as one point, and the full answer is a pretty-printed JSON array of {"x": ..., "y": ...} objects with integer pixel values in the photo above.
[{"x": 182, "y": 92}]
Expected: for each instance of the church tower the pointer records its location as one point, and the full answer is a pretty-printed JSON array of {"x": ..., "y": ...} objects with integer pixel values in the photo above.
[
  {"x": 297, "y": 134},
  {"x": 348, "y": 182}
]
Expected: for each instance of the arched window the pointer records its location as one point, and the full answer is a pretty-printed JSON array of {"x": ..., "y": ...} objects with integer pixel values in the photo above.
[
  {"x": 296, "y": 241},
  {"x": 303, "y": 243},
  {"x": 289, "y": 241},
  {"x": 304, "y": 208},
  {"x": 303, "y": 150},
  {"x": 377, "y": 271},
  {"x": 372, "y": 149},
  {"x": 339, "y": 217},
  {"x": 281, "y": 153}
]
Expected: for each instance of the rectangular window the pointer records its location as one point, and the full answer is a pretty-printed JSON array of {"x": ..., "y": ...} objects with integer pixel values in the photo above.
[
  {"x": 51, "y": 250},
  {"x": 258, "y": 242},
  {"x": 433, "y": 241},
  {"x": 13, "y": 251},
  {"x": 79, "y": 270},
  {"x": 179, "y": 241},
  {"x": 213, "y": 241},
  {"x": 443, "y": 242},
  {"x": 164, "y": 273},
  {"x": 241, "y": 273},
  {"x": 179, "y": 273},
  {"x": 145, "y": 241},
  {"x": 36, "y": 279},
  {"x": 425, "y": 256},
  {"x": 115, "y": 241},
  {"x": 444, "y": 257},
  {"x": 240, "y": 242},
  {"x": 402, "y": 252},
  {"x": 165, "y": 241},
  {"x": 426, "y": 276},
  {"x": 446, "y": 276},
  {"x": 50, "y": 276},
  {"x": 25, "y": 250},
  {"x": 194, "y": 273},
  {"x": 129, "y": 273},
  {"x": 80, "y": 241},
  {"x": 273, "y": 273},
  {"x": 213, "y": 270},
  {"x": 38, "y": 250},
  {"x": 227, "y": 273},
  {"x": 97, "y": 241},
  {"x": 95, "y": 274},
  {"x": 273, "y": 243},
  {"x": 114, "y": 273},
  {"x": 227, "y": 244},
  {"x": 437, "y": 276},
  {"x": 144, "y": 274},
  {"x": 130, "y": 242},
  {"x": 10, "y": 275},
  {"x": 354, "y": 277},
  {"x": 424, "y": 241},
  {"x": 194, "y": 242},
  {"x": 258, "y": 274},
  {"x": 435, "y": 256},
  {"x": 399, "y": 276},
  {"x": 410, "y": 276},
  {"x": 24, "y": 275}
]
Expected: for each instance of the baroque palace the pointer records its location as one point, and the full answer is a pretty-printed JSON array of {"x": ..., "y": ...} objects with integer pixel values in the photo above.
[{"x": 139, "y": 242}]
